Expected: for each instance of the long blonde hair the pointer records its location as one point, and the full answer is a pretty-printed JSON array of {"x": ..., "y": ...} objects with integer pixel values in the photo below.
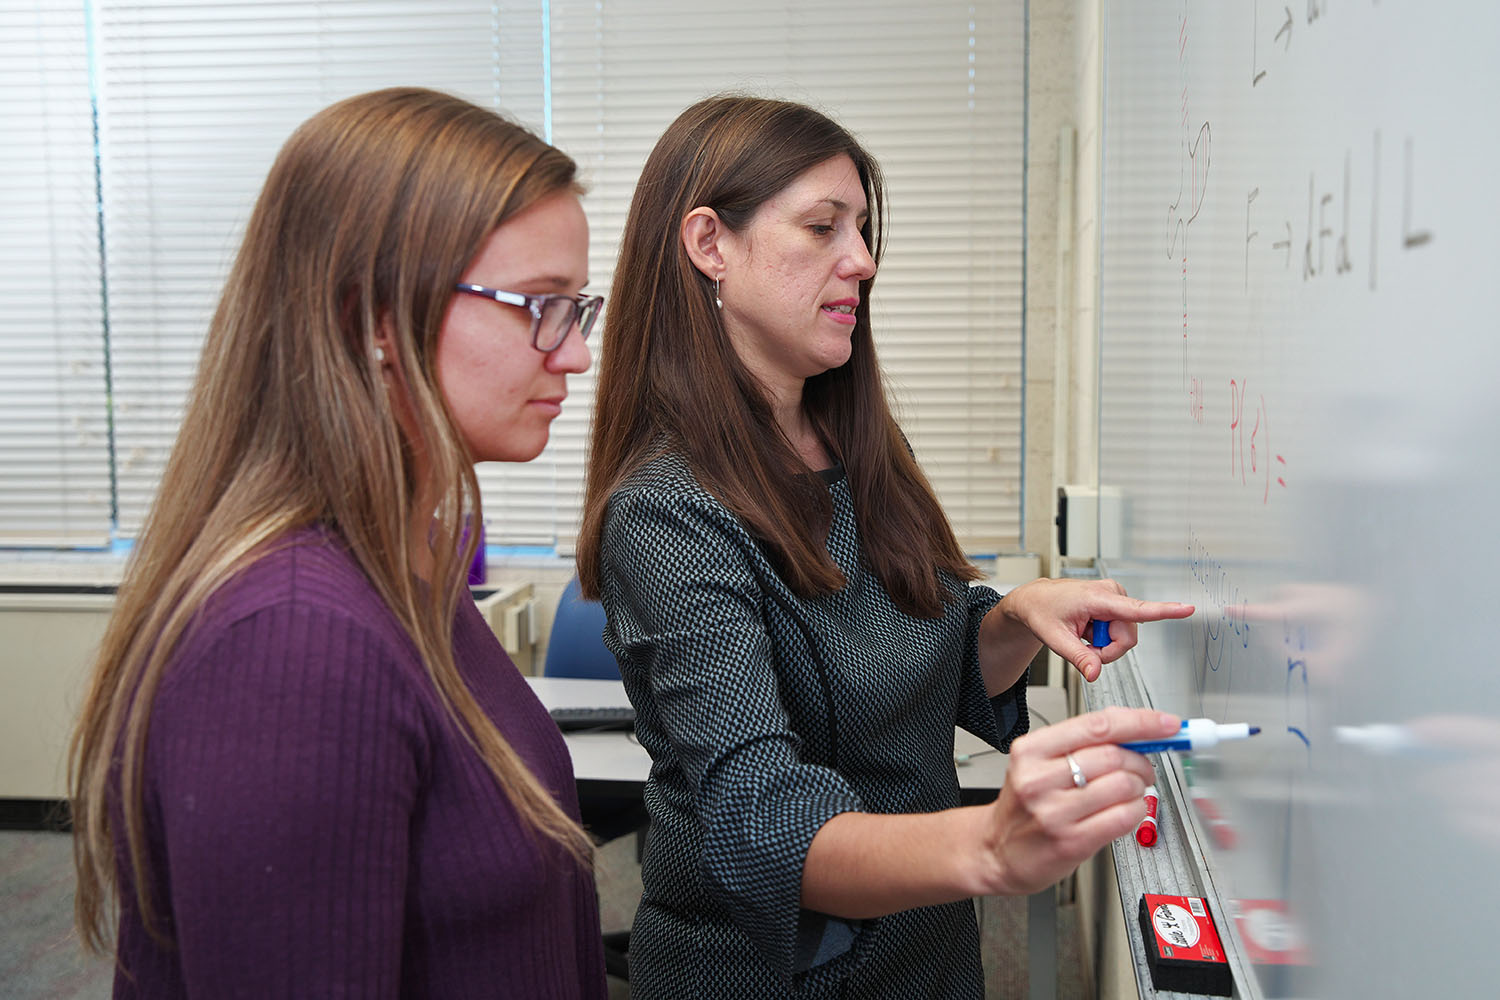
[{"x": 369, "y": 215}]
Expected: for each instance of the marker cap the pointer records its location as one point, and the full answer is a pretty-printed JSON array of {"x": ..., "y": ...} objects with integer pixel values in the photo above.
[
  {"x": 1145, "y": 833},
  {"x": 1099, "y": 633}
]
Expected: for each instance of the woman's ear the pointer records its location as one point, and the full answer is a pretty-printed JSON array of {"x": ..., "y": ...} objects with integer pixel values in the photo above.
[
  {"x": 383, "y": 346},
  {"x": 384, "y": 354},
  {"x": 702, "y": 231}
]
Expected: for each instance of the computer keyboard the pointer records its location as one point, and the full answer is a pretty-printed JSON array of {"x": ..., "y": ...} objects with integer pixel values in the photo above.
[{"x": 572, "y": 719}]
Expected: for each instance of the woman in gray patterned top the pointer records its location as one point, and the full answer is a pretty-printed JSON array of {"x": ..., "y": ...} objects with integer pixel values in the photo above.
[{"x": 791, "y": 611}]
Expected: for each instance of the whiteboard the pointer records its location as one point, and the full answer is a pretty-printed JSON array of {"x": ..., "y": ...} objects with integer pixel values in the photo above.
[{"x": 1299, "y": 364}]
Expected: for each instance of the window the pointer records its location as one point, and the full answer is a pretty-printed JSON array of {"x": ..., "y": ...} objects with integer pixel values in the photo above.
[
  {"x": 54, "y": 421},
  {"x": 194, "y": 99}
]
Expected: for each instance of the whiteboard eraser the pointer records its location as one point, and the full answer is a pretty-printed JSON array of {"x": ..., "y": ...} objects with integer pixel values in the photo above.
[{"x": 1183, "y": 949}]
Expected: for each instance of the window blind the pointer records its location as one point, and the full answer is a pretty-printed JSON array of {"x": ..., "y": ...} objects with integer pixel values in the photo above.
[
  {"x": 196, "y": 97},
  {"x": 936, "y": 92},
  {"x": 54, "y": 426},
  {"x": 195, "y": 100}
]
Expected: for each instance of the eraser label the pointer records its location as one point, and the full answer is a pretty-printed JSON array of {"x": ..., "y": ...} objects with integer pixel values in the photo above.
[
  {"x": 1176, "y": 925},
  {"x": 1184, "y": 930}
]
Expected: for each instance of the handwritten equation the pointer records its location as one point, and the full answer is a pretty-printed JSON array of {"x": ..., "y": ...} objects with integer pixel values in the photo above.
[
  {"x": 1294, "y": 645},
  {"x": 1310, "y": 239},
  {"x": 1222, "y": 606},
  {"x": 1317, "y": 244},
  {"x": 1250, "y": 457},
  {"x": 1284, "y": 28},
  {"x": 1195, "y": 161}
]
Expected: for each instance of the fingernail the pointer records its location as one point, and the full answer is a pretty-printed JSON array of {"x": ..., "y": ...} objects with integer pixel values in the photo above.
[{"x": 1167, "y": 719}]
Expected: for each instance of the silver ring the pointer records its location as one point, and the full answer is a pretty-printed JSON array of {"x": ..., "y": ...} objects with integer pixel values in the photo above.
[{"x": 1079, "y": 778}]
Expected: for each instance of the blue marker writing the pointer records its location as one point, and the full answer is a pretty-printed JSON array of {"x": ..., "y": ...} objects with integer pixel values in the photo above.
[
  {"x": 1101, "y": 634},
  {"x": 1196, "y": 734}
]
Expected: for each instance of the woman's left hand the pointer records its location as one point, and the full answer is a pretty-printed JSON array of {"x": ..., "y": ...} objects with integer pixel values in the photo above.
[{"x": 1058, "y": 612}]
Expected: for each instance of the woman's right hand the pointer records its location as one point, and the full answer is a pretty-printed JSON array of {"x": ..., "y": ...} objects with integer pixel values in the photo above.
[{"x": 1044, "y": 825}]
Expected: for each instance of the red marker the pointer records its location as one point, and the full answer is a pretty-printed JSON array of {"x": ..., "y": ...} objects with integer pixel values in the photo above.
[{"x": 1145, "y": 834}]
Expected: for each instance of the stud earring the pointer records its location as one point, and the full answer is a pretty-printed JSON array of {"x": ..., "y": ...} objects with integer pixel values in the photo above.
[
  {"x": 379, "y": 355},
  {"x": 718, "y": 302}
]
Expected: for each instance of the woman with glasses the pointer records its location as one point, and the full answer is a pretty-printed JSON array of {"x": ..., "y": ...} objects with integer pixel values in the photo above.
[
  {"x": 790, "y": 608},
  {"x": 306, "y": 767}
]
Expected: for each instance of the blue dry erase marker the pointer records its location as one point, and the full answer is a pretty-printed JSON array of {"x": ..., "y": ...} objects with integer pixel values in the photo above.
[
  {"x": 1196, "y": 734},
  {"x": 1101, "y": 634}
]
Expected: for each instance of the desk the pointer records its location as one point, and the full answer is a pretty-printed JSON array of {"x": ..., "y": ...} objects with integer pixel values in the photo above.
[
  {"x": 603, "y": 763},
  {"x": 614, "y": 762}
]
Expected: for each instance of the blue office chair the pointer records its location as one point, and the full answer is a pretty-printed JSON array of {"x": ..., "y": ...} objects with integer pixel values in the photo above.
[{"x": 575, "y": 648}]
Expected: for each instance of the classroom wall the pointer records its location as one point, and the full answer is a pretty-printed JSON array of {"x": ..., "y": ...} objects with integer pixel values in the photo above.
[
  {"x": 1062, "y": 203},
  {"x": 48, "y": 643},
  {"x": 1063, "y": 197},
  {"x": 1049, "y": 109},
  {"x": 1064, "y": 119}
]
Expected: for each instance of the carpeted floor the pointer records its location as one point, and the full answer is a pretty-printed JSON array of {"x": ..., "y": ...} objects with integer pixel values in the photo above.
[{"x": 40, "y": 958}]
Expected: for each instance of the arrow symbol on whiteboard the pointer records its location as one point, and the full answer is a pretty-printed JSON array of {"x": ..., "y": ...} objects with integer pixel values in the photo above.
[
  {"x": 1285, "y": 244},
  {"x": 1286, "y": 29}
]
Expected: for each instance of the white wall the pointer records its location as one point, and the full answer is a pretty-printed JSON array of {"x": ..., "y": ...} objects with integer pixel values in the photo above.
[
  {"x": 1101, "y": 912},
  {"x": 48, "y": 643},
  {"x": 1062, "y": 245}
]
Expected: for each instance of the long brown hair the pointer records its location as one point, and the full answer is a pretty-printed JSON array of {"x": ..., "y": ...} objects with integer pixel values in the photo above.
[
  {"x": 370, "y": 213},
  {"x": 669, "y": 372}
]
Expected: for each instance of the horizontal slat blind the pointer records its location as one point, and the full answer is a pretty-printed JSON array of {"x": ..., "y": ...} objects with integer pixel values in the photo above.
[
  {"x": 936, "y": 91},
  {"x": 196, "y": 98},
  {"x": 54, "y": 426}
]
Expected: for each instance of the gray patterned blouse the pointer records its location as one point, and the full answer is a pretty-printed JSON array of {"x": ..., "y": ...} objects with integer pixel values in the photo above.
[{"x": 765, "y": 715}]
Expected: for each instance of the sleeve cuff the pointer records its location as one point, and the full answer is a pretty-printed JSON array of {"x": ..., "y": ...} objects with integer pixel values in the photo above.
[
  {"x": 821, "y": 939},
  {"x": 1010, "y": 712}
]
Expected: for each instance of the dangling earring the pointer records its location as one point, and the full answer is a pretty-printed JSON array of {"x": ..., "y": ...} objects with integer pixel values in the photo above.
[
  {"x": 379, "y": 354},
  {"x": 718, "y": 302}
]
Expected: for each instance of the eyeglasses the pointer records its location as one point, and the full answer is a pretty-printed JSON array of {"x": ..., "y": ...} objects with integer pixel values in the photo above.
[{"x": 552, "y": 316}]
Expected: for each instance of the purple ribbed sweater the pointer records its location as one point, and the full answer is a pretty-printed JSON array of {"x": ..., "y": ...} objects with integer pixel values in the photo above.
[{"x": 318, "y": 826}]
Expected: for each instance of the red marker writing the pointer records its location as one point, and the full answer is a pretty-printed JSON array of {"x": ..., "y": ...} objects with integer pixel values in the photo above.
[{"x": 1145, "y": 834}]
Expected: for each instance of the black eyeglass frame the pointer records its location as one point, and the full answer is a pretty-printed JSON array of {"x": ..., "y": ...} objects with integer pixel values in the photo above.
[{"x": 586, "y": 309}]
